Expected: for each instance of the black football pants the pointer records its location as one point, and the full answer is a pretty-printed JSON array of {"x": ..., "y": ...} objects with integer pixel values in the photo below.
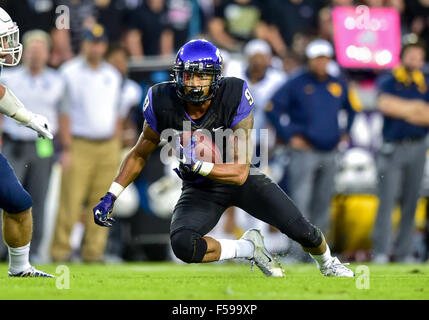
[{"x": 201, "y": 206}]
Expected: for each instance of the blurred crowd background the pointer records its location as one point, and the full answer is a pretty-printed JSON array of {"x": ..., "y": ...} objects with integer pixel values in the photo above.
[{"x": 87, "y": 66}]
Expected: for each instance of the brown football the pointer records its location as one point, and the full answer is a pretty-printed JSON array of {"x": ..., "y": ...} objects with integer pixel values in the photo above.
[{"x": 205, "y": 148}]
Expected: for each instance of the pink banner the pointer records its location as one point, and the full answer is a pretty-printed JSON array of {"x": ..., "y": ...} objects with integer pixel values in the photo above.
[{"x": 367, "y": 37}]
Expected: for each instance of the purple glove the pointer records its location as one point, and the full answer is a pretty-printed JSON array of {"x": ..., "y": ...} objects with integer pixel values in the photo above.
[
  {"x": 103, "y": 209},
  {"x": 187, "y": 156}
]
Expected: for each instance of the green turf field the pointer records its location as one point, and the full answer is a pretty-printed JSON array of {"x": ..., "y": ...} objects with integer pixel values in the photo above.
[{"x": 167, "y": 281}]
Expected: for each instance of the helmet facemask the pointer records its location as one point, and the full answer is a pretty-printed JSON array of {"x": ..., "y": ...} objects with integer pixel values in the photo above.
[
  {"x": 195, "y": 95},
  {"x": 10, "y": 48}
]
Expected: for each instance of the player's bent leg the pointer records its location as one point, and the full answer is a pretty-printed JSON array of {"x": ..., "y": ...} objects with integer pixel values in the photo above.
[
  {"x": 214, "y": 249},
  {"x": 263, "y": 199},
  {"x": 188, "y": 245},
  {"x": 305, "y": 233},
  {"x": 196, "y": 213},
  {"x": 329, "y": 266},
  {"x": 17, "y": 220},
  {"x": 313, "y": 241},
  {"x": 226, "y": 249},
  {"x": 17, "y": 229},
  {"x": 17, "y": 225}
]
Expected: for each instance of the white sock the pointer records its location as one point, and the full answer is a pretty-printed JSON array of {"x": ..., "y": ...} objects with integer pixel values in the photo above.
[
  {"x": 19, "y": 258},
  {"x": 231, "y": 249},
  {"x": 321, "y": 259}
]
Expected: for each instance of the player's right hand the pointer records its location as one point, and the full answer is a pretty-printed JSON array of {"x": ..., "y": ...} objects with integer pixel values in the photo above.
[
  {"x": 102, "y": 210},
  {"x": 41, "y": 125},
  {"x": 187, "y": 156}
]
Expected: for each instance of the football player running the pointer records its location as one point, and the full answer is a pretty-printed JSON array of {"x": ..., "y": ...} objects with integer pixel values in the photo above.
[
  {"x": 14, "y": 200},
  {"x": 200, "y": 95}
]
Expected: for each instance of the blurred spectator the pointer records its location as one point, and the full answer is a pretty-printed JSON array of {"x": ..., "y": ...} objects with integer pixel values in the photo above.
[
  {"x": 185, "y": 19},
  {"x": 41, "y": 90},
  {"x": 291, "y": 63},
  {"x": 400, "y": 6},
  {"x": 112, "y": 15},
  {"x": 396, "y": 4},
  {"x": 417, "y": 15},
  {"x": 312, "y": 101},
  {"x": 207, "y": 12},
  {"x": 32, "y": 14},
  {"x": 300, "y": 42},
  {"x": 83, "y": 15},
  {"x": 41, "y": 15},
  {"x": 236, "y": 22},
  {"x": 150, "y": 32},
  {"x": 402, "y": 156},
  {"x": 295, "y": 16},
  {"x": 342, "y": 3},
  {"x": 94, "y": 88},
  {"x": 67, "y": 41},
  {"x": 371, "y": 3},
  {"x": 325, "y": 26}
]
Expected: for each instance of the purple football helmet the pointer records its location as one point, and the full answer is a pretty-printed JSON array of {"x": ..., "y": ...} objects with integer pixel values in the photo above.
[{"x": 199, "y": 56}]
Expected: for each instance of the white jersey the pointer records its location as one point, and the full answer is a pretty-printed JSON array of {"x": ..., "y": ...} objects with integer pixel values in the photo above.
[{"x": 40, "y": 94}]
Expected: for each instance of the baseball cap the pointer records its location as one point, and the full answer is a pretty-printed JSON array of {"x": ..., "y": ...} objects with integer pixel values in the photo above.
[
  {"x": 257, "y": 46},
  {"x": 319, "y": 48},
  {"x": 95, "y": 33}
]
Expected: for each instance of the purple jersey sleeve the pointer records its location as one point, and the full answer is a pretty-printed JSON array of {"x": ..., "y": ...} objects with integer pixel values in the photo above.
[
  {"x": 148, "y": 112},
  {"x": 245, "y": 107}
]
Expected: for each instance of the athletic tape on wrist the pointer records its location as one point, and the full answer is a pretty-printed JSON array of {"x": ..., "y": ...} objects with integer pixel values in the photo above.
[
  {"x": 206, "y": 168},
  {"x": 116, "y": 189}
]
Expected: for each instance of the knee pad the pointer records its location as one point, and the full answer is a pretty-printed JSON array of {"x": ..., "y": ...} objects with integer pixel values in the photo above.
[
  {"x": 306, "y": 234},
  {"x": 188, "y": 246}
]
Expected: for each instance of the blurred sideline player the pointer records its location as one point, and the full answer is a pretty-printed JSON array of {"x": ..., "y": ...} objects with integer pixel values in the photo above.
[
  {"x": 14, "y": 200},
  {"x": 200, "y": 95}
]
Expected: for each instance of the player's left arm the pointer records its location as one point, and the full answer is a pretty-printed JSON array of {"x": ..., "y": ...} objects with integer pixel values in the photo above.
[
  {"x": 11, "y": 106},
  {"x": 238, "y": 171}
]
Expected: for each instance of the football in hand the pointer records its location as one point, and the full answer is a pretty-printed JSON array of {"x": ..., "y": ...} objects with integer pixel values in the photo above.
[{"x": 205, "y": 148}]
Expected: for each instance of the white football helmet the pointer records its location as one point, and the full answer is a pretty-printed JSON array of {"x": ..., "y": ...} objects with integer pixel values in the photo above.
[
  {"x": 357, "y": 172},
  {"x": 10, "y": 48}
]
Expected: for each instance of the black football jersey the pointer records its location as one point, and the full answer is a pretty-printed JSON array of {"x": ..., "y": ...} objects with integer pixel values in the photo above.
[
  {"x": 163, "y": 109},
  {"x": 165, "y": 112}
]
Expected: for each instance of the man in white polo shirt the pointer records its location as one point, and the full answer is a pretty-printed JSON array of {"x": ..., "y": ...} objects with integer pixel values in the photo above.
[
  {"x": 41, "y": 90},
  {"x": 94, "y": 89}
]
